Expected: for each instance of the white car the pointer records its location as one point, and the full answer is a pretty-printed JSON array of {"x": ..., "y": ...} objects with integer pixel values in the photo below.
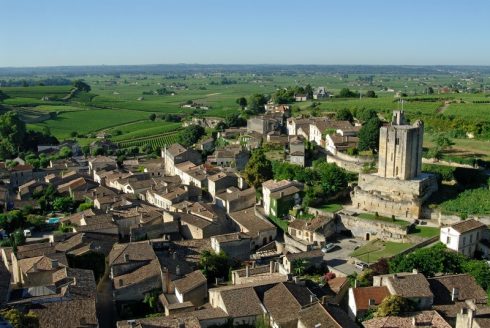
[
  {"x": 328, "y": 247},
  {"x": 361, "y": 265},
  {"x": 27, "y": 233}
]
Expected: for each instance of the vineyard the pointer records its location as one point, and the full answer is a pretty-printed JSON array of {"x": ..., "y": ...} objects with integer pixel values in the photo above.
[{"x": 156, "y": 142}]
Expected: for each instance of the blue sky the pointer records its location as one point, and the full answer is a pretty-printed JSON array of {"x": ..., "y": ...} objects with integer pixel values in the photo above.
[{"x": 94, "y": 32}]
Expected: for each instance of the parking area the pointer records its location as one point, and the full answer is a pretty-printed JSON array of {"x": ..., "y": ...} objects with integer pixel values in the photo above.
[{"x": 338, "y": 258}]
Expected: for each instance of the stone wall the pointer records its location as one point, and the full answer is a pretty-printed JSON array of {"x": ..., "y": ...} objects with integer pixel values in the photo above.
[
  {"x": 346, "y": 165},
  {"x": 369, "y": 229}
]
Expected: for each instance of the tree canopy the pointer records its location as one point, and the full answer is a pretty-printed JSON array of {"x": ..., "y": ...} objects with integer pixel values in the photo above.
[
  {"x": 256, "y": 104},
  {"x": 369, "y": 134},
  {"x": 12, "y": 133},
  {"x": 214, "y": 265},
  {"x": 258, "y": 169},
  {"x": 190, "y": 135},
  {"x": 242, "y": 102},
  {"x": 344, "y": 115},
  {"x": 81, "y": 86}
]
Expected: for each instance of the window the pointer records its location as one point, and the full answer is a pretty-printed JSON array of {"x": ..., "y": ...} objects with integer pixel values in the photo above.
[
  {"x": 448, "y": 240},
  {"x": 464, "y": 241}
]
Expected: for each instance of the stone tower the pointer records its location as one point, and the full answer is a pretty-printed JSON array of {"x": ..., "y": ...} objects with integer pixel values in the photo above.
[
  {"x": 400, "y": 149},
  {"x": 399, "y": 188}
]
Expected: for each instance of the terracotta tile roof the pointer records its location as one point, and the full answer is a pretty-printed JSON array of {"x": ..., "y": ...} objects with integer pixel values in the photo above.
[
  {"x": 250, "y": 222},
  {"x": 309, "y": 225},
  {"x": 75, "y": 218},
  {"x": 466, "y": 286},
  {"x": 139, "y": 251},
  {"x": 36, "y": 249},
  {"x": 468, "y": 225},
  {"x": 285, "y": 300},
  {"x": 412, "y": 285},
  {"x": 421, "y": 319},
  {"x": 72, "y": 313},
  {"x": 305, "y": 255},
  {"x": 42, "y": 263},
  {"x": 151, "y": 270},
  {"x": 230, "y": 237},
  {"x": 362, "y": 295},
  {"x": 241, "y": 302},
  {"x": 315, "y": 315},
  {"x": 337, "y": 283},
  {"x": 190, "y": 282},
  {"x": 176, "y": 149},
  {"x": 161, "y": 322}
]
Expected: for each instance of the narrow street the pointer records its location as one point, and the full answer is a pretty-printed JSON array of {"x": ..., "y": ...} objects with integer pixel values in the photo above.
[{"x": 106, "y": 313}]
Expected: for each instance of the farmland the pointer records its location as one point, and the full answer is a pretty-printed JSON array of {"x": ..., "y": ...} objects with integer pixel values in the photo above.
[{"x": 121, "y": 104}]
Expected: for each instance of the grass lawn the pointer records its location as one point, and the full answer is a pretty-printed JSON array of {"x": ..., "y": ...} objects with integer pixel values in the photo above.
[
  {"x": 332, "y": 208},
  {"x": 282, "y": 224},
  {"x": 369, "y": 216},
  {"x": 377, "y": 249},
  {"x": 425, "y": 232}
]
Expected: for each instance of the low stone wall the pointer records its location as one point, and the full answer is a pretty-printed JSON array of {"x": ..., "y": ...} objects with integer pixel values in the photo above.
[
  {"x": 346, "y": 165},
  {"x": 440, "y": 162},
  {"x": 320, "y": 212},
  {"x": 370, "y": 229},
  {"x": 354, "y": 159}
]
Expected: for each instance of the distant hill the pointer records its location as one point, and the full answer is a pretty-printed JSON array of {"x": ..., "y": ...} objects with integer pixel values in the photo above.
[{"x": 262, "y": 69}]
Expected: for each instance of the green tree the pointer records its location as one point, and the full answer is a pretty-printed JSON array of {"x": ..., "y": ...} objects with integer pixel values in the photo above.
[
  {"x": 369, "y": 134},
  {"x": 20, "y": 320},
  {"x": 214, "y": 265},
  {"x": 81, "y": 86},
  {"x": 344, "y": 115},
  {"x": 3, "y": 96},
  {"x": 309, "y": 91},
  {"x": 480, "y": 271},
  {"x": 242, "y": 102},
  {"x": 85, "y": 206},
  {"x": 256, "y": 104},
  {"x": 73, "y": 134},
  {"x": 65, "y": 152},
  {"x": 393, "y": 305},
  {"x": 190, "y": 135},
  {"x": 12, "y": 134},
  {"x": 234, "y": 120},
  {"x": 347, "y": 93},
  {"x": 152, "y": 117},
  {"x": 299, "y": 266},
  {"x": 258, "y": 169},
  {"x": 365, "y": 114},
  {"x": 371, "y": 94},
  {"x": 63, "y": 204},
  {"x": 430, "y": 90}
]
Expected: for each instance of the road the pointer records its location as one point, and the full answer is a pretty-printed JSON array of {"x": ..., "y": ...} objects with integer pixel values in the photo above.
[
  {"x": 106, "y": 312},
  {"x": 339, "y": 256}
]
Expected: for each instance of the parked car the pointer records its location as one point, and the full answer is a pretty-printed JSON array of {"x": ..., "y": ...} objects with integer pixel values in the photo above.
[
  {"x": 328, "y": 247},
  {"x": 361, "y": 265},
  {"x": 27, "y": 233}
]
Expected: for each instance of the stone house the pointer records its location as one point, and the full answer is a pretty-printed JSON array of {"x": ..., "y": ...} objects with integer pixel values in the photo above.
[
  {"x": 361, "y": 299},
  {"x": 236, "y": 245},
  {"x": 464, "y": 236},
  {"x": 314, "y": 231},
  {"x": 321, "y": 93},
  {"x": 412, "y": 286},
  {"x": 284, "y": 301},
  {"x": 259, "y": 274},
  {"x": 38, "y": 271},
  {"x": 104, "y": 163},
  {"x": 280, "y": 196},
  {"x": 234, "y": 199},
  {"x": 232, "y": 156},
  {"x": 300, "y": 97},
  {"x": 196, "y": 227},
  {"x": 219, "y": 182},
  {"x": 240, "y": 302},
  {"x": 409, "y": 320},
  {"x": 134, "y": 270},
  {"x": 293, "y": 124},
  {"x": 176, "y": 154},
  {"x": 166, "y": 197},
  {"x": 249, "y": 221},
  {"x": 266, "y": 123},
  {"x": 337, "y": 143},
  {"x": 192, "y": 288}
]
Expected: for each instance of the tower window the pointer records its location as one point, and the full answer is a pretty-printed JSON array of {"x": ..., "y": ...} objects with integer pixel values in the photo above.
[{"x": 397, "y": 141}]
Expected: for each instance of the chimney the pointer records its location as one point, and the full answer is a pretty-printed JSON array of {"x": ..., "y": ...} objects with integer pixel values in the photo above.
[
  {"x": 296, "y": 279},
  {"x": 177, "y": 270},
  {"x": 415, "y": 271},
  {"x": 174, "y": 255},
  {"x": 371, "y": 302},
  {"x": 454, "y": 294},
  {"x": 414, "y": 321},
  {"x": 54, "y": 264},
  {"x": 126, "y": 257},
  {"x": 312, "y": 298},
  {"x": 355, "y": 283},
  {"x": 271, "y": 267},
  {"x": 247, "y": 271}
]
